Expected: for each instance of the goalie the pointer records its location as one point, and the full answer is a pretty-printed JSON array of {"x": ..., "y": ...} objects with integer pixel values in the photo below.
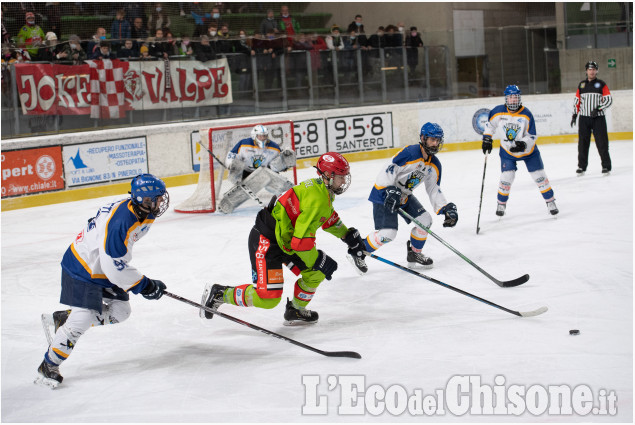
[{"x": 254, "y": 164}]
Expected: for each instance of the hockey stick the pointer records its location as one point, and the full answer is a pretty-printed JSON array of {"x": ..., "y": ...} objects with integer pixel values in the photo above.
[
  {"x": 248, "y": 191},
  {"x": 349, "y": 354},
  {"x": 460, "y": 291},
  {"x": 480, "y": 203},
  {"x": 502, "y": 284}
]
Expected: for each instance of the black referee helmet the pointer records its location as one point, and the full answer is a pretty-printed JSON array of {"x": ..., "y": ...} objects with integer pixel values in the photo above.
[{"x": 591, "y": 64}]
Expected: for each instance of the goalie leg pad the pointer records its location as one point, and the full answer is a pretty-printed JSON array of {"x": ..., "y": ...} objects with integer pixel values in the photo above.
[
  {"x": 264, "y": 178},
  {"x": 284, "y": 161},
  {"x": 232, "y": 199}
]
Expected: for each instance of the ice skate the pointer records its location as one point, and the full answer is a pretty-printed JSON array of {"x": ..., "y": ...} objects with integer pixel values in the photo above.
[
  {"x": 48, "y": 375},
  {"x": 500, "y": 209},
  {"x": 416, "y": 259},
  {"x": 53, "y": 322},
  {"x": 298, "y": 316},
  {"x": 552, "y": 207},
  {"x": 212, "y": 298},
  {"x": 359, "y": 263},
  {"x": 606, "y": 171},
  {"x": 580, "y": 172}
]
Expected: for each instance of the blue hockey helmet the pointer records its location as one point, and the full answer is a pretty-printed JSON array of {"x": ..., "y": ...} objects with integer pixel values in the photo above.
[
  {"x": 149, "y": 194},
  {"x": 512, "y": 97},
  {"x": 431, "y": 129}
]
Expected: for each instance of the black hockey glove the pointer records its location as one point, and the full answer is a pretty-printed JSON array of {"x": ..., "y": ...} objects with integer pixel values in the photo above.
[
  {"x": 487, "y": 144},
  {"x": 393, "y": 199},
  {"x": 519, "y": 146},
  {"x": 594, "y": 113},
  {"x": 573, "y": 118},
  {"x": 153, "y": 290},
  {"x": 325, "y": 264},
  {"x": 451, "y": 215},
  {"x": 356, "y": 246}
]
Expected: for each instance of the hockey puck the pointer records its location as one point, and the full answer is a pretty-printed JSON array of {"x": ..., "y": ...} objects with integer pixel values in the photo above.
[{"x": 574, "y": 332}]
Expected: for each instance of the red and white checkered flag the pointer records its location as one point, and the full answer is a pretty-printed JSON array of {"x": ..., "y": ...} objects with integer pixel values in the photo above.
[{"x": 107, "y": 89}]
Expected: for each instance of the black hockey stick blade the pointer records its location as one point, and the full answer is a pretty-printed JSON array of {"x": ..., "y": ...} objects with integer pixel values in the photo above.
[
  {"x": 514, "y": 282},
  {"x": 348, "y": 354}
]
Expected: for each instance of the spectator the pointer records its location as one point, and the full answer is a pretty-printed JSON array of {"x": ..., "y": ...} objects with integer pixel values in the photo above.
[
  {"x": 216, "y": 16},
  {"x": 204, "y": 51},
  {"x": 134, "y": 11},
  {"x": 128, "y": 51},
  {"x": 288, "y": 24},
  {"x": 185, "y": 47},
  {"x": 242, "y": 61},
  {"x": 298, "y": 60},
  {"x": 375, "y": 42},
  {"x": 49, "y": 53},
  {"x": 138, "y": 31},
  {"x": 224, "y": 43},
  {"x": 413, "y": 43},
  {"x": 268, "y": 23},
  {"x": 200, "y": 19},
  {"x": 356, "y": 26},
  {"x": 30, "y": 36},
  {"x": 158, "y": 46},
  {"x": 394, "y": 42},
  {"x": 53, "y": 12},
  {"x": 120, "y": 29},
  {"x": 93, "y": 46},
  {"x": 268, "y": 51},
  {"x": 5, "y": 35},
  {"x": 144, "y": 53},
  {"x": 72, "y": 51},
  {"x": 335, "y": 41},
  {"x": 159, "y": 19},
  {"x": 402, "y": 30},
  {"x": 171, "y": 44},
  {"x": 104, "y": 51}
]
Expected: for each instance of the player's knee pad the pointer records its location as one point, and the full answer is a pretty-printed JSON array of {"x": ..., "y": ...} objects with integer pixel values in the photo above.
[
  {"x": 116, "y": 311},
  {"x": 425, "y": 218},
  {"x": 381, "y": 237},
  {"x": 506, "y": 180}
]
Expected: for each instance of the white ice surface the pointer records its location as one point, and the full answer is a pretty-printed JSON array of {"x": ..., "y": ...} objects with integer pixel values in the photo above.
[{"x": 165, "y": 365}]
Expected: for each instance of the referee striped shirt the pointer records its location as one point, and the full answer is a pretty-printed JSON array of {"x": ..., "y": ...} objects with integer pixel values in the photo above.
[{"x": 591, "y": 95}]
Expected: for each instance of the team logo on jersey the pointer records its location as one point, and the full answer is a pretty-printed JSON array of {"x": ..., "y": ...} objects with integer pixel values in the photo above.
[
  {"x": 414, "y": 179},
  {"x": 257, "y": 161},
  {"x": 582, "y": 85},
  {"x": 597, "y": 85},
  {"x": 511, "y": 130}
]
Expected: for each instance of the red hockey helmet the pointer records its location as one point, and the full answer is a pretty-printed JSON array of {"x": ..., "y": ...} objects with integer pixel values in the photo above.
[{"x": 333, "y": 164}]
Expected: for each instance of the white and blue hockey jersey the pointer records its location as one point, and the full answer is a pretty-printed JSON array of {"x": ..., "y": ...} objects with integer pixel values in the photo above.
[
  {"x": 251, "y": 155},
  {"x": 519, "y": 126},
  {"x": 101, "y": 252},
  {"x": 406, "y": 171}
]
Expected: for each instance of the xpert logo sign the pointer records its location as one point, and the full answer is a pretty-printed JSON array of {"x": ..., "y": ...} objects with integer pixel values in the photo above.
[
  {"x": 31, "y": 171},
  {"x": 462, "y": 395}
]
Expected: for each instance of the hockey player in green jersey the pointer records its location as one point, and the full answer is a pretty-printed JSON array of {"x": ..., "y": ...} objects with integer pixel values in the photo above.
[{"x": 284, "y": 234}]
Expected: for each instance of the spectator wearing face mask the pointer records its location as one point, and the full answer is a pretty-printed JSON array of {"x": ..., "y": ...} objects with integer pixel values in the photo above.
[
  {"x": 225, "y": 44},
  {"x": 201, "y": 19},
  {"x": 72, "y": 51},
  {"x": 357, "y": 27},
  {"x": 93, "y": 46},
  {"x": 288, "y": 24},
  {"x": 270, "y": 22},
  {"x": 30, "y": 36},
  {"x": 158, "y": 19}
]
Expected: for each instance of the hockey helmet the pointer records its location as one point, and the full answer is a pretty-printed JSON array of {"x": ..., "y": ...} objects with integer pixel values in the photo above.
[
  {"x": 591, "y": 65},
  {"x": 431, "y": 129},
  {"x": 512, "y": 97},
  {"x": 333, "y": 164},
  {"x": 260, "y": 135},
  {"x": 149, "y": 194}
]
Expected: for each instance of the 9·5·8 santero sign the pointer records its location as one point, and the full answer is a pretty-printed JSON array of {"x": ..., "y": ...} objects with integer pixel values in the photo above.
[{"x": 353, "y": 133}]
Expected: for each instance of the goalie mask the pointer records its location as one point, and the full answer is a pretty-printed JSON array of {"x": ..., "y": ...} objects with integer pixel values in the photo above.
[
  {"x": 512, "y": 98},
  {"x": 149, "y": 195},
  {"x": 260, "y": 135},
  {"x": 434, "y": 132},
  {"x": 334, "y": 170}
]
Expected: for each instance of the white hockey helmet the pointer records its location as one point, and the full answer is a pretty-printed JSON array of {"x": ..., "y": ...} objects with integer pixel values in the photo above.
[{"x": 260, "y": 135}]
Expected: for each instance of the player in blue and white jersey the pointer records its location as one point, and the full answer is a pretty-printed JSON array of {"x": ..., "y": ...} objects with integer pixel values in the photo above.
[
  {"x": 393, "y": 189},
  {"x": 518, "y": 143},
  {"x": 97, "y": 275}
]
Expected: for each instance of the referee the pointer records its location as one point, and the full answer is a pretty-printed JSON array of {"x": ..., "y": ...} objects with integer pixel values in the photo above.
[{"x": 592, "y": 99}]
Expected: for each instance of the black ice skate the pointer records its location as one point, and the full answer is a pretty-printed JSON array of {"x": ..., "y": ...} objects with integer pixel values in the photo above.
[
  {"x": 212, "y": 298},
  {"x": 59, "y": 318},
  {"x": 53, "y": 321},
  {"x": 552, "y": 208},
  {"x": 416, "y": 259},
  {"x": 580, "y": 172},
  {"x": 606, "y": 171},
  {"x": 359, "y": 263},
  {"x": 500, "y": 209},
  {"x": 48, "y": 375},
  {"x": 295, "y": 316}
]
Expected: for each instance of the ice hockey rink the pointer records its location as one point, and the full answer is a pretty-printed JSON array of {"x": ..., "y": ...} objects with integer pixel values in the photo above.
[{"x": 417, "y": 339}]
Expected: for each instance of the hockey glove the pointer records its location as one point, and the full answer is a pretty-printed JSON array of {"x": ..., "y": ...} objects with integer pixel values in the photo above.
[
  {"x": 392, "y": 202},
  {"x": 153, "y": 290},
  {"x": 325, "y": 264},
  {"x": 519, "y": 146},
  {"x": 594, "y": 113},
  {"x": 487, "y": 144},
  {"x": 573, "y": 118},
  {"x": 356, "y": 246},
  {"x": 451, "y": 215}
]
